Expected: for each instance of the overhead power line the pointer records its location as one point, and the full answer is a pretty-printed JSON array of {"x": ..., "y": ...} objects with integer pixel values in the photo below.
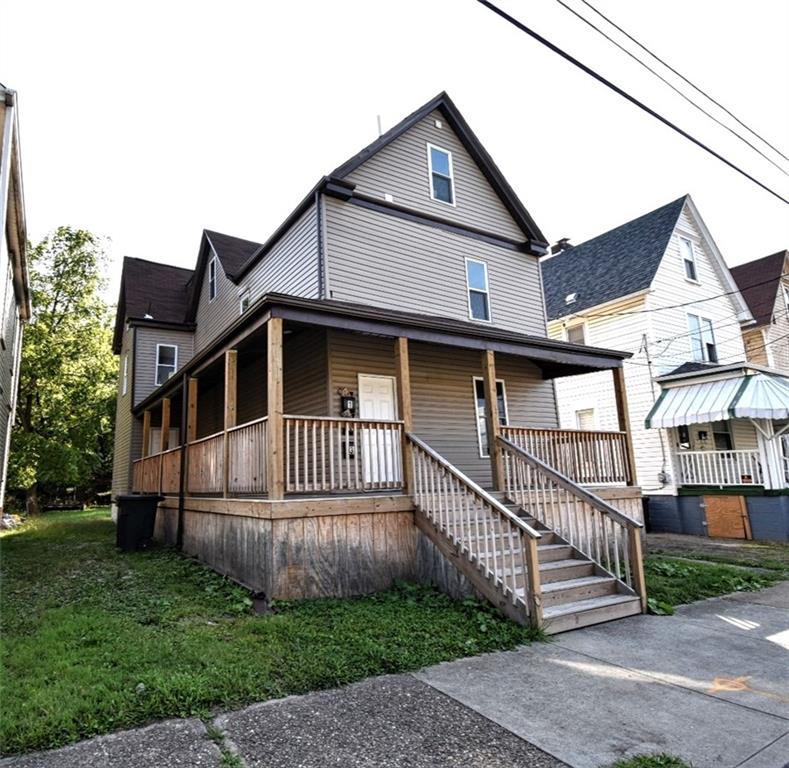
[
  {"x": 671, "y": 85},
  {"x": 682, "y": 77},
  {"x": 625, "y": 95}
]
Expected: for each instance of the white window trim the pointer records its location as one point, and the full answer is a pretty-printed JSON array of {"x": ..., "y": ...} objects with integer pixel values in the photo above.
[
  {"x": 175, "y": 361},
  {"x": 474, "y": 380},
  {"x": 469, "y": 289},
  {"x": 212, "y": 268},
  {"x": 702, "y": 320},
  {"x": 242, "y": 293},
  {"x": 583, "y": 326},
  {"x": 451, "y": 174},
  {"x": 125, "y": 377},
  {"x": 693, "y": 260},
  {"x": 595, "y": 421}
]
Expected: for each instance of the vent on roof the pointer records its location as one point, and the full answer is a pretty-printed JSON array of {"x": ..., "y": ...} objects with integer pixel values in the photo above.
[
  {"x": 561, "y": 245},
  {"x": 570, "y": 298}
]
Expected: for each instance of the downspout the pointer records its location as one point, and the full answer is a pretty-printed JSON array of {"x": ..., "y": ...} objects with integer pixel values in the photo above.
[
  {"x": 322, "y": 291},
  {"x": 179, "y": 535}
]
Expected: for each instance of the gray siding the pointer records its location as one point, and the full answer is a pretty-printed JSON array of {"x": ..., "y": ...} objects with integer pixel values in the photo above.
[
  {"x": 442, "y": 392},
  {"x": 145, "y": 356},
  {"x": 377, "y": 259},
  {"x": 401, "y": 170},
  {"x": 305, "y": 371},
  {"x": 290, "y": 267},
  {"x": 124, "y": 423}
]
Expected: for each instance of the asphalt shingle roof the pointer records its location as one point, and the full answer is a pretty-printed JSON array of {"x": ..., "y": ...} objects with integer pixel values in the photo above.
[
  {"x": 758, "y": 283},
  {"x": 233, "y": 252},
  {"x": 617, "y": 263},
  {"x": 159, "y": 290}
]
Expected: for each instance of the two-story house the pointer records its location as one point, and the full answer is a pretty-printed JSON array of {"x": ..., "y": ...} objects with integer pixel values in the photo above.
[
  {"x": 367, "y": 395},
  {"x": 701, "y": 419},
  {"x": 15, "y": 309}
]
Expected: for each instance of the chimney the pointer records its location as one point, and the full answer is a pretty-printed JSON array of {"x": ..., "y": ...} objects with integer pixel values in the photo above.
[{"x": 561, "y": 245}]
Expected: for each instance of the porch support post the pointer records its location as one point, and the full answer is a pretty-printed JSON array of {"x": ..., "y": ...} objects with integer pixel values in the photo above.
[
  {"x": 165, "y": 424},
  {"x": 275, "y": 460},
  {"x": 231, "y": 386},
  {"x": 191, "y": 417},
  {"x": 492, "y": 418},
  {"x": 146, "y": 433},
  {"x": 623, "y": 415},
  {"x": 769, "y": 454},
  {"x": 403, "y": 373}
]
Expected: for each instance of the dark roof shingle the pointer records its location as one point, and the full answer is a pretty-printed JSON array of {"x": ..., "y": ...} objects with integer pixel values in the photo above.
[
  {"x": 233, "y": 252},
  {"x": 617, "y": 263},
  {"x": 159, "y": 290},
  {"x": 758, "y": 283}
]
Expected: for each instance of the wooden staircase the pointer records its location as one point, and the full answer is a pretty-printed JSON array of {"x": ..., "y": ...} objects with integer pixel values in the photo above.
[{"x": 545, "y": 551}]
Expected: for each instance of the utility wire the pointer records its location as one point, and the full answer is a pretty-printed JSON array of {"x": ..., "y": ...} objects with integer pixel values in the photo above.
[
  {"x": 671, "y": 85},
  {"x": 682, "y": 77},
  {"x": 625, "y": 95}
]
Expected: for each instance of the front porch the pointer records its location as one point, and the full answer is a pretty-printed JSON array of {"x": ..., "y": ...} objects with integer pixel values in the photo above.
[{"x": 413, "y": 461}]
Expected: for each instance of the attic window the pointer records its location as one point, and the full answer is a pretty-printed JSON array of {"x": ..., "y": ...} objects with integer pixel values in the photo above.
[
  {"x": 212, "y": 279},
  {"x": 702, "y": 339},
  {"x": 576, "y": 334},
  {"x": 243, "y": 300},
  {"x": 441, "y": 176},
  {"x": 688, "y": 258},
  {"x": 570, "y": 298}
]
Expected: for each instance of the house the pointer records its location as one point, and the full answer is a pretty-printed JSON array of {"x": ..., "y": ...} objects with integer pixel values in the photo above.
[
  {"x": 659, "y": 288},
  {"x": 13, "y": 270},
  {"x": 764, "y": 284},
  {"x": 366, "y": 395}
]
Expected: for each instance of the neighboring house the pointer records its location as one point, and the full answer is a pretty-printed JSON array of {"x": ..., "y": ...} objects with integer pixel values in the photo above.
[
  {"x": 764, "y": 284},
  {"x": 659, "y": 288},
  {"x": 13, "y": 271},
  {"x": 325, "y": 410}
]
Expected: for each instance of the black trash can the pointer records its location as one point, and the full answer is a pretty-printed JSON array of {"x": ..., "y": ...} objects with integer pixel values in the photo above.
[{"x": 136, "y": 518}]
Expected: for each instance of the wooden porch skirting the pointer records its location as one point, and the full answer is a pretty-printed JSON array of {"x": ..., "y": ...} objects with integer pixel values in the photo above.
[{"x": 322, "y": 547}]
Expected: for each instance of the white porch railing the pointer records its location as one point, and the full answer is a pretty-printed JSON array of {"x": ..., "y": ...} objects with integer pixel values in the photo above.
[{"x": 720, "y": 468}]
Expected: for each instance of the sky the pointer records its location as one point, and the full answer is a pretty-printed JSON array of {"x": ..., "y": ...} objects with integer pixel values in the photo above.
[{"x": 146, "y": 122}]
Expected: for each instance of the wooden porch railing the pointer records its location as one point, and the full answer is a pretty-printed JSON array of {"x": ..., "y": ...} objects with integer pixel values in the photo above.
[
  {"x": 586, "y": 457},
  {"x": 147, "y": 474},
  {"x": 246, "y": 454},
  {"x": 328, "y": 454},
  {"x": 487, "y": 535},
  {"x": 595, "y": 528},
  {"x": 720, "y": 468},
  {"x": 206, "y": 464},
  {"x": 171, "y": 471}
]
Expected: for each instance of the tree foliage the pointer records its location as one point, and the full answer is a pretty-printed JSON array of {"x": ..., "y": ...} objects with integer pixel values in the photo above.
[{"x": 65, "y": 412}]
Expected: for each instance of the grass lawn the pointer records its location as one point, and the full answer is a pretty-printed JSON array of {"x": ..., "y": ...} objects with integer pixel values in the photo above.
[
  {"x": 94, "y": 640},
  {"x": 651, "y": 761}
]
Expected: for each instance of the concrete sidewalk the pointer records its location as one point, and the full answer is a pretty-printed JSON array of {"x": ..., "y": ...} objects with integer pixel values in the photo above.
[{"x": 710, "y": 685}]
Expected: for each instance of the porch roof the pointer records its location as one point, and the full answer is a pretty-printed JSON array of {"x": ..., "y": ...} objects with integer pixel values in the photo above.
[
  {"x": 554, "y": 358},
  {"x": 749, "y": 396}
]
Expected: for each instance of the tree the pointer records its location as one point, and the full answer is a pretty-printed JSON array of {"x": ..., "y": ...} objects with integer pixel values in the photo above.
[{"x": 65, "y": 412}]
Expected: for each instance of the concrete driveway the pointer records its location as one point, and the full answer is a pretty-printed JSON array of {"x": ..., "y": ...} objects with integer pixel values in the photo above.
[{"x": 710, "y": 684}]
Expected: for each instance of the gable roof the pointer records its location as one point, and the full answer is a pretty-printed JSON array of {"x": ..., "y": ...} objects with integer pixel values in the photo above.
[
  {"x": 473, "y": 146},
  {"x": 617, "y": 263},
  {"x": 233, "y": 252},
  {"x": 758, "y": 283},
  {"x": 151, "y": 288}
]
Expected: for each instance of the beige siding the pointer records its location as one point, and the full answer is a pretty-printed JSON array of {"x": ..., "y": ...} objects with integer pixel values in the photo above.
[
  {"x": 442, "y": 392},
  {"x": 145, "y": 356},
  {"x": 306, "y": 373},
  {"x": 756, "y": 346},
  {"x": 377, "y": 259},
  {"x": 127, "y": 443},
  {"x": 401, "y": 170},
  {"x": 290, "y": 267}
]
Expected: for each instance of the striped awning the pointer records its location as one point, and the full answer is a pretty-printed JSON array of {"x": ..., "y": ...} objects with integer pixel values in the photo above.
[{"x": 758, "y": 396}]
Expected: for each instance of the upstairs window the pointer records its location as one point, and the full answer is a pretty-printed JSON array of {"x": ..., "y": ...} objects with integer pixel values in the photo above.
[
  {"x": 786, "y": 296},
  {"x": 212, "y": 279},
  {"x": 585, "y": 419},
  {"x": 243, "y": 301},
  {"x": 688, "y": 259},
  {"x": 482, "y": 422},
  {"x": 166, "y": 362},
  {"x": 702, "y": 340},
  {"x": 442, "y": 186},
  {"x": 478, "y": 298},
  {"x": 125, "y": 379},
  {"x": 576, "y": 334}
]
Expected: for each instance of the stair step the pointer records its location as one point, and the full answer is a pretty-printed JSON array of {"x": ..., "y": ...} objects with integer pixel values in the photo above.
[
  {"x": 563, "y": 570},
  {"x": 574, "y": 590},
  {"x": 549, "y": 552},
  {"x": 561, "y": 618}
]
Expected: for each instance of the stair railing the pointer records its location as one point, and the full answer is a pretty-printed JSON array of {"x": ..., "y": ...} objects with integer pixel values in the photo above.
[
  {"x": 487, "y": 534},
  {"x": 592, "y": 526}
]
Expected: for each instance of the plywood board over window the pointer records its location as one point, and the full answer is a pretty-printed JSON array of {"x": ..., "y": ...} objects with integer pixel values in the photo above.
[{"x": 727, "y": 517}]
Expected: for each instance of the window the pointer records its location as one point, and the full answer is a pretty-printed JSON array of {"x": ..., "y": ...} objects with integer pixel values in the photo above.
[
  {"x": 722, "y": 436},
  {"x": 442, "y": 186},
  {"x": 243, "y": 301},
  {"x": 688, "y": 258},
  {"x": 576, "y": 334},
  {"x": 482, "y": 425},
  {"x": 166, "y": 362},
  {"x": 786, "y": 296},
  {"x": 212, "y": 279},
  {"x": 477, "y": 280},
  {"x": 683, "y": 436},
  {"x": 125, "y": 378},
  {"x": 584, "y": 419},
  {"x": 702, "y": 340}
]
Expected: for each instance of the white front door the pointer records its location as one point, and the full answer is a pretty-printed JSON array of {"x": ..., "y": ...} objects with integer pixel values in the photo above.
[{"x": 380, "y": 451}]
